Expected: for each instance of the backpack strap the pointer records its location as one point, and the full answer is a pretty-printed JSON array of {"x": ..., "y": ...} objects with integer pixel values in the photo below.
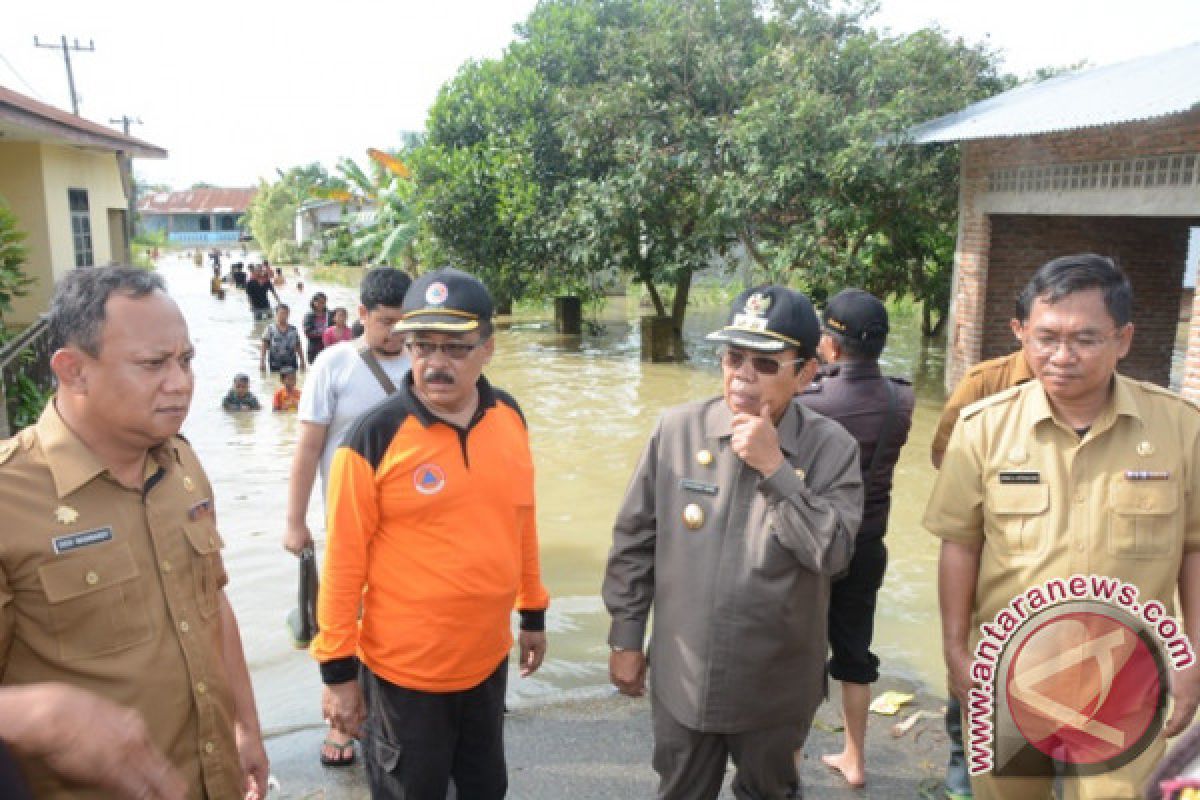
[{"x": 368, "y": 357}]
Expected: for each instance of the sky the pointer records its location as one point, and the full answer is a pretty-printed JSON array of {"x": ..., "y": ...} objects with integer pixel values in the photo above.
[{"x": 235, "y": 90}]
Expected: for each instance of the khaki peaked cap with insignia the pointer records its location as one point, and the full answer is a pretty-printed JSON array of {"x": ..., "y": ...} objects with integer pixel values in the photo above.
[{"x": 771, "y": 318}]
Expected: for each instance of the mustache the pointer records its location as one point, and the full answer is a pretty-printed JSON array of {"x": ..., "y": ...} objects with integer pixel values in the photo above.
[{"x": 438, "y": 376}]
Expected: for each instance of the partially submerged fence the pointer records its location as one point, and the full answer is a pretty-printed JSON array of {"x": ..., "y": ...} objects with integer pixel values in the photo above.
[{"x": 25, "y": 376}]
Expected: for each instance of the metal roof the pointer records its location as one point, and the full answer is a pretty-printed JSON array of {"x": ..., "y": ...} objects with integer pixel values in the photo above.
[
  {"x": 1153, "y": 86},
  {"x": 25, "y": 119},
  {"x": 197, "y": 201}
]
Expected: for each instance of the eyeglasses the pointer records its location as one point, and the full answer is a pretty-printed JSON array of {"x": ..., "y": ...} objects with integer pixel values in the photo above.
[
  {"x": 422, "y": 348},
  {"x": 733, "y": 359},
  {"x": 1082, "y": 345}
]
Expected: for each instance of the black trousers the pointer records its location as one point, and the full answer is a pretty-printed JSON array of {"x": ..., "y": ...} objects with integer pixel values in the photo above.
[
  {"x": 415, "y": 742},
  {"x": 852, "y": 615}
]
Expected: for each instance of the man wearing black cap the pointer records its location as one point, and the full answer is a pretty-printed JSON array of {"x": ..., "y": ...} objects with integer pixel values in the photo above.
[
  {"x": 435, "y": 485},
  {"x": 739, "y": 511},
  {"x": 877, "y": 411}
]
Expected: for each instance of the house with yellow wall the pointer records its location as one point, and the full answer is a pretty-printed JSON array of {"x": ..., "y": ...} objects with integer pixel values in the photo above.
[{"x": 68, "y": 181}]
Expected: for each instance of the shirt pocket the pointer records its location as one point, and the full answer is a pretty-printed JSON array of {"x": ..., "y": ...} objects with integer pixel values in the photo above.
[
  {"x": 96, "y": 602},
  {"x": 1018, "y": 512},
  {"x": 206, "y": 564},
  {"x": 1144, "y": 519}
]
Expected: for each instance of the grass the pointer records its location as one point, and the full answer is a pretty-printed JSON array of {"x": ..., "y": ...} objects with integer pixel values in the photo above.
[{"x": 338, "y": 276}]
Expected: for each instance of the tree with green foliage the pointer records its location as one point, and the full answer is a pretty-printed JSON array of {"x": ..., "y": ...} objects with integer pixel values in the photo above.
[
  {"x": 13, "y": 257},
  {"x": 822, "y": 190},
  {"x": 271, "y": 215},
  {"x": 654, "y": 135}
]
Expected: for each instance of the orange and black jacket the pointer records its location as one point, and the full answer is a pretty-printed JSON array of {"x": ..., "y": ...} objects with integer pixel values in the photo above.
[{"x": 432, "y": 534}]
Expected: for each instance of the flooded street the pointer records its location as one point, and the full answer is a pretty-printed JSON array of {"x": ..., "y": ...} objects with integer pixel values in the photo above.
[{"x": 590, "y": 404}]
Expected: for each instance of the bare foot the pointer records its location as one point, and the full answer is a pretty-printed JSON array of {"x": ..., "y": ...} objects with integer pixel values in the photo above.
[{"x": 853, "y": 773}]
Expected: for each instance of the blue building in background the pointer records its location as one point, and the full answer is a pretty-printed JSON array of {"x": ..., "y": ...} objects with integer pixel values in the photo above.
[{"x": 196, "y": 216}]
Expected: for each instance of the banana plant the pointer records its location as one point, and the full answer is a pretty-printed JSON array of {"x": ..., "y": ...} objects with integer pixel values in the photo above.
[{"x": 384, "y": 231}]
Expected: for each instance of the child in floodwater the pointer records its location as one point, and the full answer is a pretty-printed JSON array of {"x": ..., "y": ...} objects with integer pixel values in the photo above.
[
  {"x": 287, "y": 397},
  {"x": 240, "y": 398}
]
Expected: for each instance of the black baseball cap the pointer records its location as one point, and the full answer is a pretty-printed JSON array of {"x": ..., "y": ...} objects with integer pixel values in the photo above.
[
  {"x": 857, "y": 315},
  {"x": 770, "y": 318},
  {"x": 446, "y": 299}
]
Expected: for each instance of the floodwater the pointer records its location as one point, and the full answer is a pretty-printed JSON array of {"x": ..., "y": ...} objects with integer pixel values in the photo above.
[{"x": 590, "y": 404}]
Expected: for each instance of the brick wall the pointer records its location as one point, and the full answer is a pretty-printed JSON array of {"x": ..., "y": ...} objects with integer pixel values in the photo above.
[
  {"x": 1152, "y": 251},
  {"x": 983, "y": 293}
]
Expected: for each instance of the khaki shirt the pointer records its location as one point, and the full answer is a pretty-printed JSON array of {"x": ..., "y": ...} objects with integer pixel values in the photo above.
[
  {"x": 741, "y": 600},
  {"x": 982, "y": 380},
  {"x": 116, "y": 591},
  {"x": 1084, "y": 515}
]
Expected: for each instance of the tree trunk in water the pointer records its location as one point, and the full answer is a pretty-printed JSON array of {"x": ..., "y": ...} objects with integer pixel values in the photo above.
[
  {"x": 659, "y": 308},
  {"x": 568, "y": 315}
]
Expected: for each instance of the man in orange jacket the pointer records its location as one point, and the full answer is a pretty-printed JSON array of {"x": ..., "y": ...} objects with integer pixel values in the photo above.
[{"x": 436, "y": 485}]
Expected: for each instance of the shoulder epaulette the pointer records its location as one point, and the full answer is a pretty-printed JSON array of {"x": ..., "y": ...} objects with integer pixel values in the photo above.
[
  {"x": 991, "y": 400},
  {"x": 1162, "y": 390},
  {"x": 21, "y": 440},
  {"x": 7, "y": 448}
]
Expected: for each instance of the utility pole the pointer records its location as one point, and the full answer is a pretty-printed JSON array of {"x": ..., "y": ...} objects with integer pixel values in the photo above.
[
  {"x": 125, "y": 121},
  {"x": 66, "y": 51},
  {"x": 127, "y": 165}
]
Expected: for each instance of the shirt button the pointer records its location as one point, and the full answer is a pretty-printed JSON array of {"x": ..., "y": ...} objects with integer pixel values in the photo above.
[
  {"x": 201, "y": 687},
  {"x": 1080, "y": 497},
  {"x": 91, "y": 578},
  {"x": 1144, "y": 503},
  {"x": 1079, "y": 546},
  {"x": 209, "y": 747},
  {"x": 166, "y": 565},
  {"x": 183, "y": 626}
]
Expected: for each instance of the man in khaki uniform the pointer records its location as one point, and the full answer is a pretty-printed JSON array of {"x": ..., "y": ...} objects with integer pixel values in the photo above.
[
  {"x": 1081, "y": 471},
  {"x": 982, "y": 380},
  {"x": 110, "y": 566}
]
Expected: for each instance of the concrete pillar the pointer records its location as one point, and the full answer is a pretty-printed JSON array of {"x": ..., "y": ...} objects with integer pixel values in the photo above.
[{"x": 1191, "y": 366}]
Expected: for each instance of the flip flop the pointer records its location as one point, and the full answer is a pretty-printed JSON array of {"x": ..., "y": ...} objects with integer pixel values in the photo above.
[{"x": 342, "y": 760}]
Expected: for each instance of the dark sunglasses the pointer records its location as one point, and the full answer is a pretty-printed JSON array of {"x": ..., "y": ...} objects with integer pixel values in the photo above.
[
  {"x": 455, "y": 350},
  {"x": 763, "y": 365}
]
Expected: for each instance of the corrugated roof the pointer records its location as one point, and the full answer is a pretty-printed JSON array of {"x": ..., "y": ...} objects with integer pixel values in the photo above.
[
  {"x": 197, "y": 201},
  {"x": 1154, "y": 86},
  {"x": 23, "y": 118}
]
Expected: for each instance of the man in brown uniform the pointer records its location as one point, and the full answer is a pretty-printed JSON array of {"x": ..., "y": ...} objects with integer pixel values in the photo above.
[
  {"x": 740, "y": 510},
  {"x": 110, "y": 566}
]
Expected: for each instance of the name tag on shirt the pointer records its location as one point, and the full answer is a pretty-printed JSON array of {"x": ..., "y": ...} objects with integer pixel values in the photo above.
[
  {"x": 1020, "y": 476},
  {"x": 74, "y": 541},
  {"x": 1146, "y": 475},
  {"x": 690, "y": 485}
]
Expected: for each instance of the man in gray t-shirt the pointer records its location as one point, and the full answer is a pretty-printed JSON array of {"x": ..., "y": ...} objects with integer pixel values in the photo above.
[{"x": 340, "y": 387}]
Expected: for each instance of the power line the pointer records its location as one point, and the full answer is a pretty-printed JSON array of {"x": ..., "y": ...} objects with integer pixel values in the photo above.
[
  {"x": 66, "y": 51},
  {"x": 21, "y": 78}
]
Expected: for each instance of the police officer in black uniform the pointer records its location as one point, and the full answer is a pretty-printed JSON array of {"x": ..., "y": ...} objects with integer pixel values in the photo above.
[{"x": 877, "y": 411}]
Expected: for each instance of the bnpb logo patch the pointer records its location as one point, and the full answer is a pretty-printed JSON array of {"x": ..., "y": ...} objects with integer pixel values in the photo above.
[
  {"x": 429, "y": 479},
  {"x": 436, "y": 294}
]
